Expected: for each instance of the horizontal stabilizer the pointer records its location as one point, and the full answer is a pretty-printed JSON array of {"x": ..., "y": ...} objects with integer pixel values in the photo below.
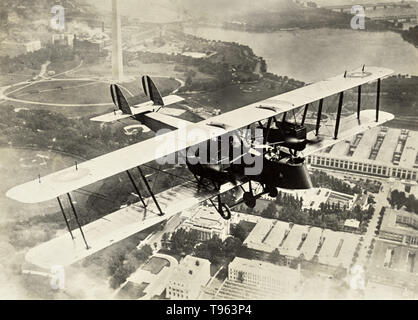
[{"x": 137, "y": 109}]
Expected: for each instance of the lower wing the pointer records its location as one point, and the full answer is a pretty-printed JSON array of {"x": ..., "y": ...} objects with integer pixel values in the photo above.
[{"x": 120, "y": 225}]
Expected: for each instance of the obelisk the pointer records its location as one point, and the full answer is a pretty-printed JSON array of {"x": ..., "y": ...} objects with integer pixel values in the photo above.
[{"x": 117, "y": 61}]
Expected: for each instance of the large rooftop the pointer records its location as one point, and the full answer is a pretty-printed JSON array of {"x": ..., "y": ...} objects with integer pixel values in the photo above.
[
  {"x": 189, "y": 269},
  {"x": 381, "y": 145},
  {"x": 333, "y": 248},
  {"x": 267, "y": 268},
  {"x": 391, "y": 222},
  {"x": 207, "y": 218}
]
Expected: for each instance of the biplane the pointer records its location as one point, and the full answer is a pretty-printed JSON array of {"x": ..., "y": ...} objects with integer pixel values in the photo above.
[{"x": 255, "y": 144}]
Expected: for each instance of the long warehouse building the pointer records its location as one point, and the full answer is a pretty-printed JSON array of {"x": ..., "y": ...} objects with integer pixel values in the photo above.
[{"x": 381, "y": 151}]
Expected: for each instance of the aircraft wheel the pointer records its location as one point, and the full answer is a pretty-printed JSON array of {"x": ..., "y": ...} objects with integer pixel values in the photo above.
[
  {"x": 225, "y": 212},
  {"x": 272, "y": 192},
  {"x": 249, "y": 199}
]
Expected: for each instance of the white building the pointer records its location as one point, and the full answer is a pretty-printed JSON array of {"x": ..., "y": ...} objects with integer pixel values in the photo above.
[
  {"x": 207, "y": 222},
  {"x": 32, "y": 46},
  {"x": 66, "y": 39},
  {"x": 13, "y": 49},
  {"x": 381, "y": 152},
  {"x": 264, "y": 275},
  {"x": 312, "y": 198},
  {"x": 188, "y": 278},
  {"x": 332, "y": 248}
]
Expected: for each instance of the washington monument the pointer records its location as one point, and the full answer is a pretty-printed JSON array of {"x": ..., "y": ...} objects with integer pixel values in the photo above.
[{"x": 117, "y": 62}]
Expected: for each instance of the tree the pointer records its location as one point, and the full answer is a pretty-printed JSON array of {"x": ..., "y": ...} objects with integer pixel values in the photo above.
[
  {"x": 270, "y": 211},
  {"x": 274, "y": 256},
  {"x": 215, "y": 249},
  {"x": 238, "y": 231},
  {"x": 231, "y": 247},
  {"x": 143, "y": 253},
  {"x": 189, "y": 80}
]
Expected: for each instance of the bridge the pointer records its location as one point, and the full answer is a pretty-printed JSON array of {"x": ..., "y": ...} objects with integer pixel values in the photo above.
[
  {"x": 373, "y": 6},
  {"x": 396, "y": 18}
]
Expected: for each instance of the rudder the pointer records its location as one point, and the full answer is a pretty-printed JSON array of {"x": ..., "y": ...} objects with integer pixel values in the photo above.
[
  {"x": 151, "y": 91},
  {"x": 119, "y": 99}
]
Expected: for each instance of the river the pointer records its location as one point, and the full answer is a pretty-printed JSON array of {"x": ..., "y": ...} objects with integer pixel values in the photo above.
[{"x": 311, "y": 55}]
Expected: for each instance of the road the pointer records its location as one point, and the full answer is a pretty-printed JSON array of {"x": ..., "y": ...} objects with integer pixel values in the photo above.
[
  {"x": 381, "y": 201},
  {"x": 4, "y": 96},
  {"x": 156, "y": 236}
]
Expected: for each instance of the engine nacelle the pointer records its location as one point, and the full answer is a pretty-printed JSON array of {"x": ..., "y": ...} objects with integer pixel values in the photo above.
[{"x": 286, "y": 173}]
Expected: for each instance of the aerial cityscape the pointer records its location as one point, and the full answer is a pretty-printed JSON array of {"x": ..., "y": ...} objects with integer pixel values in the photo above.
[{"x": 209, "y": 150}]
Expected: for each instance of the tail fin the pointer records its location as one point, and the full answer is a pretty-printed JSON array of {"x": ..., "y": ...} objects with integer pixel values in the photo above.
[
  {"x": 119, "y": 99},
  {"x": 151, "y": 91}
]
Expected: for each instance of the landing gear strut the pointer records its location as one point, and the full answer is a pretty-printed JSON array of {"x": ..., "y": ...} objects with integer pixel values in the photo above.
[
  {"x": 222, "y": 208},
  {"x": 248, "y": 197}
]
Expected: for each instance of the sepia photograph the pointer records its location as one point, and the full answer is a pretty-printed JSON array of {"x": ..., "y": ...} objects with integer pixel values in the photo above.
[{"x": 221, "y": 151}]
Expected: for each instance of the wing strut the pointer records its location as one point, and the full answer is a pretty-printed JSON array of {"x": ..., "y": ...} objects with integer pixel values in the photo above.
[
  {"x": 150, "y": 191},
  {"x": 377, "y": 100},
  {"x": 65, "y": 217},
  {"x": 136, "y": 188},
  {"x": 305, "y": 111},
  {"x": 358, "y": 101},
  {"x": 318, "y": 119},
  {"x": 76, "y": 219},
  {"x": 268, "y": 130},
  {"x": 340, "y": 106}
]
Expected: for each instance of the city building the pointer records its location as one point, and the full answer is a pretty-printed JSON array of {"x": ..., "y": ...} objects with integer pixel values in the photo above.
[
  {"x": 381, "y": 152},
  {"x": 394, "y": 266},
  {"x": 88, "y": 46},
  {"x": 13, "y": 49},
  {"x": 312, "y": 198},
  {"x": 64, "y": 39},
  {"x": 149, "y": 280},
  {"x": 207, "y": 222},
  {"x": 188, "y": 277},
  {"x": 400, "y": 226},
  {"x": 331, "y": 249},
  {"x": 269, "y": 280},
  {"x": 351, "y": 224}
]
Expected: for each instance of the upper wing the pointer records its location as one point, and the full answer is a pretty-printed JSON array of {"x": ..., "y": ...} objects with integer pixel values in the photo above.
[
  {"x": 83, "y": 174},
  {"x": 293, "y": 99}
]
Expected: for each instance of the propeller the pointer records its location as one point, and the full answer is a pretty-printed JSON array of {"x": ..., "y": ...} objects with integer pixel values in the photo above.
[
  {"x": 238, "y": 193},
  {"x": 314, "y": 141}
]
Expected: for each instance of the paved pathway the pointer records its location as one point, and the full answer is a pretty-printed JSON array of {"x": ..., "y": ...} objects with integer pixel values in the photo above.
[{"x": 381, "y": 202}]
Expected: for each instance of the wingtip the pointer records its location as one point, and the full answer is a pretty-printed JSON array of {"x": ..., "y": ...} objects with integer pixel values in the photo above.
[{"x": 16, "y": 195}]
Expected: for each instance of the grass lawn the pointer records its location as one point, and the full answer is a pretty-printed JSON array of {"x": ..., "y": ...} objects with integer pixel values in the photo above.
[
  {"x": 132, "y": 290},
  {"x": 155, "y": 265},
  {"x": 20, "y": 165},
  {"x": 82, "y": 92}
]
